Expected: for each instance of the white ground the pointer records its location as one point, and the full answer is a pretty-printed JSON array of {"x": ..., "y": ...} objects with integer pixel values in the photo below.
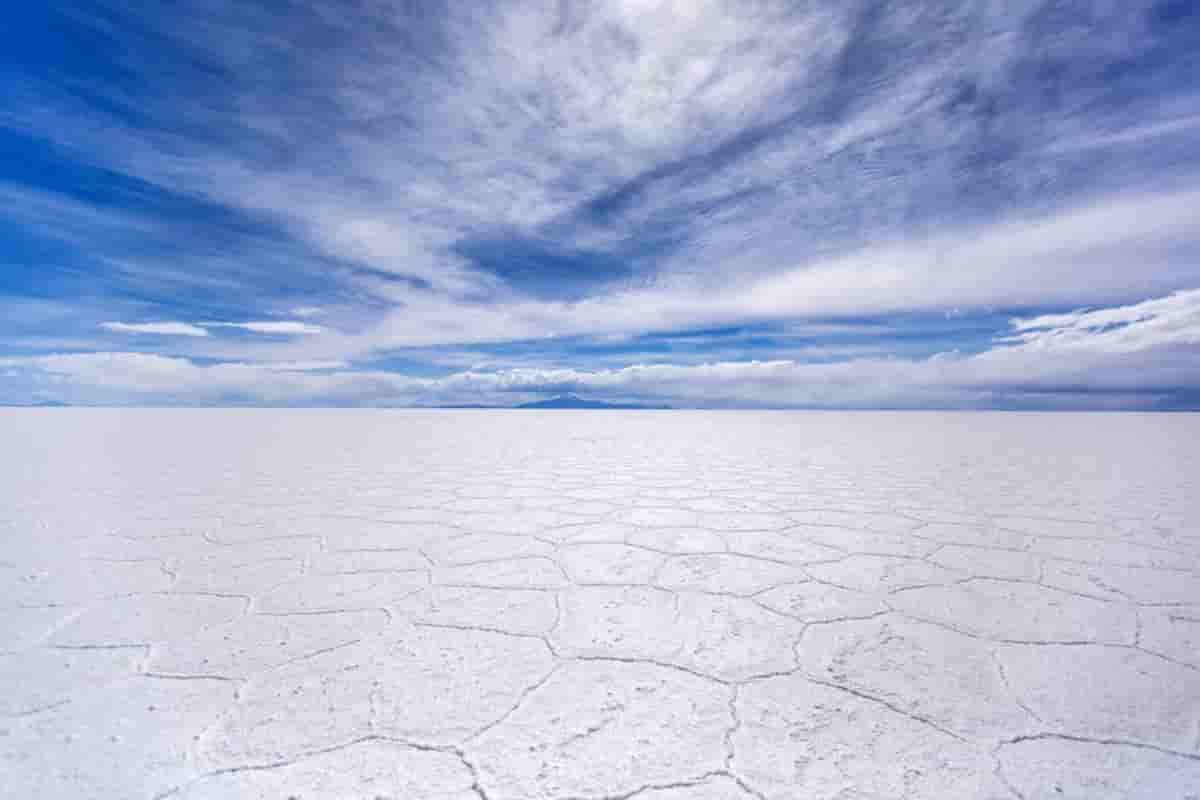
[{"x": 670, "y": 606}]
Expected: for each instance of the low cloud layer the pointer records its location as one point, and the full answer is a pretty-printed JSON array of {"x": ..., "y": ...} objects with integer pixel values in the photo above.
[{"x": 1138, "y": 356}]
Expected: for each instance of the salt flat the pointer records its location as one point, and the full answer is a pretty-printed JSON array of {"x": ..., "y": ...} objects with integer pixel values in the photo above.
[{"x": 207, "y": 604}]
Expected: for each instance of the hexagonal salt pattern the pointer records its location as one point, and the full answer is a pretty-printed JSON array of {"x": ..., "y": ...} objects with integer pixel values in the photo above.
[{"x": 727, "y": 606}]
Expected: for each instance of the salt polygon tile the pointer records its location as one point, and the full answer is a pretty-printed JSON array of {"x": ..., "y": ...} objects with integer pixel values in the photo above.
[
  {"x": 878, "y": 573},
  {"x": 799, "y": 739},
  {"x": 317, "y": 593},
  {"x": 360, "y": 561},
  {"x": 726, "y": 637},
  {"x": 431, "y": 686},
  {"x": 920, "y": 669},
  {"x": 658, "y": 517},
  {"x": 679, "y": 540},
  {"x": 475, "y": 547},
  {"x": 789, "y": 546},
  {"x": 629, "y": 726},
  {"x": 1060, "y": 769},
  {"x": 1135, "y": 584},
  {"x": 985, "y": 607},
  {"x": 515, "y": 573},
  {"x": 610, "y": 563},
  {"x": 973, "y": 536},
  {"x": 743, "y": 521},
  {"x": 819, "y": 602},
  {"x": 724, "y": 573},
  {"x": 518, "y": 611},
  {"x": 1172, "y": 631},
  {"x": 1107, "y": 693},
  {"x": 848, "y": 540},
  {"x": 980, "y": 562}
]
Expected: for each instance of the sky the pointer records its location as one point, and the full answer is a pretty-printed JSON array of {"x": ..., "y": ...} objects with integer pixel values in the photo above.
[{"x": 808, "y": 204}]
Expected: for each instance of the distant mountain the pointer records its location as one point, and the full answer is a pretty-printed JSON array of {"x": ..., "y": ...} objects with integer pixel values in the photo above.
[{"x": 571, "y": 401}]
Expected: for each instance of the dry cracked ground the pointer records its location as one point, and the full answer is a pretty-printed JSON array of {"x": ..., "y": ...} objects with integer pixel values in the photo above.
[{"x": 471, "y": 605}]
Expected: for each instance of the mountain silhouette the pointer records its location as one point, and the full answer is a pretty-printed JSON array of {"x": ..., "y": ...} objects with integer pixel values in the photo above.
[{"x": 572, "y": 401}]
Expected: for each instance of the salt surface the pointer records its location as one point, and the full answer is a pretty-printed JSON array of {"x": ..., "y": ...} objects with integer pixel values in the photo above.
[{"x": 209, "y": 604}]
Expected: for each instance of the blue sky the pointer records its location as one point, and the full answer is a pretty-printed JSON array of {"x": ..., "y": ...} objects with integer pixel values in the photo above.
[{"x": 708, "y": 204}]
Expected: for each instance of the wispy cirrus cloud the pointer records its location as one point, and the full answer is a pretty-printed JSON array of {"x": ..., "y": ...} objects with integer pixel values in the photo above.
[
  {"x": 1150, "y": 133},
  {"x": 156, "y": 328},
  {"x": 426, "y": 176},
  {"x": 275, "y": 327},
  {"x": 279, "y": 327},
  {"x": 1081, "y": 254}
]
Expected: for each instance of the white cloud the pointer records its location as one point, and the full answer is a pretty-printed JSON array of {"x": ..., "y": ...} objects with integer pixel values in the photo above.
[
  {"x": 301, "y": 366},
  {"x": 529, "y": 111},
  {"x": 1132, "y": 135},
  {"x": 157, "y": 328},
  {"x": 747, "y": 164},
  {"x": 1165, "y": 321},
  {"x": 1080, "y": 255},
  {"x": 1129, "y": 356},
  {"x": 274, "y": 327},
  {"x": 281, "y": 327},
  {"x": 146, "y": 377}
]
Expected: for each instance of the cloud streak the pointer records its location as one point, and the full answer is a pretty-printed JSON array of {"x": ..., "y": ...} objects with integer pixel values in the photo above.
[
  {"x": 272, "y": 327},
  {"x": 279, "y": 327},
  {"x": 156, "y": 328}
]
